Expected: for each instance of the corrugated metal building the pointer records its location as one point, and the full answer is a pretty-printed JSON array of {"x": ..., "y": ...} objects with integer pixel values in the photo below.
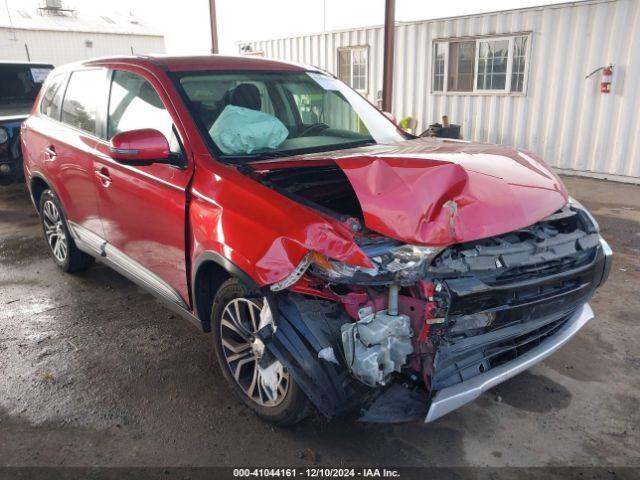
[
  {"x": 515, "y": 77},
  {"x": 56, "y": 34}
]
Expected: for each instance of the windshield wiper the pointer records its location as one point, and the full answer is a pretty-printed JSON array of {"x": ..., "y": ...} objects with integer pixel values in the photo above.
[
  {"x": 268, "y": 154},
  {"x": 257, "y": 155}
]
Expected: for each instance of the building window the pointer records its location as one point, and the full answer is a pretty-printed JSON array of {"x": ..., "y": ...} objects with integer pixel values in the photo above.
[
  {"x": 519, "y": 60},
  {"x": 461, "y": 58},
  {"x": 438, "y": 66},
  {"x": 483, "y": 65},
  {"x": 493, "y": 57},
  {"x": 352, "y": 67}
]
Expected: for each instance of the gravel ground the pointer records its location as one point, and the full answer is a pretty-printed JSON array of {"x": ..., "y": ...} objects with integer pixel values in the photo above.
[{"x": 93, "y": 371}]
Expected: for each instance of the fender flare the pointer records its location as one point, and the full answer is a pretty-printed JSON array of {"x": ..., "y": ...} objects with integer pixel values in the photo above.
[
  {"x": 231, "y": 268},
  {"x": 40, "y": 176}
]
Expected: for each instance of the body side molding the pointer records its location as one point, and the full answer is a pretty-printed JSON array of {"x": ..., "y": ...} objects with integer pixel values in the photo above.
[{"x": 93, "y": 244}]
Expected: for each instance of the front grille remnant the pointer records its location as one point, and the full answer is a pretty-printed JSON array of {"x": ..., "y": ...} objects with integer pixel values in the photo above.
[
  {"x": 460, "y": 361},
  {"x": 563, "y": 240},
  {"x": 507, "y": 294}
]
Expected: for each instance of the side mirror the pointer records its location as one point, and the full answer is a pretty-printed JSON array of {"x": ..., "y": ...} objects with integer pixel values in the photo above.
[{"x": 140, "y": 147}]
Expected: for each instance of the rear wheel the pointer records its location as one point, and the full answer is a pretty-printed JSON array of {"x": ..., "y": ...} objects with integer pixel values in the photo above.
[
  {"x": 255, "y": 376},
  {"x": 56, "y": 232}
]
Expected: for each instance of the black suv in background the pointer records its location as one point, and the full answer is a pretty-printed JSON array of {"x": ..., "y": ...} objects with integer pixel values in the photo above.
[{"x": 19, "y": 86}]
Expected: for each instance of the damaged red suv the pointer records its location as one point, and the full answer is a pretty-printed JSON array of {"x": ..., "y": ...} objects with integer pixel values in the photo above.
[{"x": 337, "y": 261}]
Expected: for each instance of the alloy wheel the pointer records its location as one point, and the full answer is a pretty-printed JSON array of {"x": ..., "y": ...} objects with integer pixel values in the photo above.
[
  {"x": 266, "y": 385},
  {"x": 54, "y": 231}
]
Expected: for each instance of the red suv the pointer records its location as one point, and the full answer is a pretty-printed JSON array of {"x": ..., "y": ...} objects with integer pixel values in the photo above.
[{"x": 337, "y": 261}]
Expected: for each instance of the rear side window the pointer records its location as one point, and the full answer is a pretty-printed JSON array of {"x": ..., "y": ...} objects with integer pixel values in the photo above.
[
  {"x": 52, "y": 98},
  {"x": 135, "y": 104},
  {"x": 81, "y": 100}
]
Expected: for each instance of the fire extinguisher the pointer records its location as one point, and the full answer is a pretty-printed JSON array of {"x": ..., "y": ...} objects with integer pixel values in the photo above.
[
  {"x": 607, "y": 75},
  {"x": 605, "y": 83}
]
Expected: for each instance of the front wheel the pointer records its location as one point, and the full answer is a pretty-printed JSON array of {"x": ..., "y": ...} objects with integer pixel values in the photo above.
[{"x": 256, "y": 377}]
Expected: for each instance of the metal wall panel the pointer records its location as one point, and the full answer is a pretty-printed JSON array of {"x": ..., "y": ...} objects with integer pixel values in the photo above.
[
  {"x": 58, "y": 47},
  {"x": 563, "y": 117}
]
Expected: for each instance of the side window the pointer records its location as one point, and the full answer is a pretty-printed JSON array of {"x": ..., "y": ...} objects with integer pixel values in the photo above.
[
  {"x": 81, "y": 100},
  {"x": 135, "y": 104},
  {"x": 52, "y": 97}
]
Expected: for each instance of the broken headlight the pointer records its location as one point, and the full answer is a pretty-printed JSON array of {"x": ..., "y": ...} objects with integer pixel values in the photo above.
[
  {"x": 577, "y": 206},
  {"x": 393, "y": 263}
]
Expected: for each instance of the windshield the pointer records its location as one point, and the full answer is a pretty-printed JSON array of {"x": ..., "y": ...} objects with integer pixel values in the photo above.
[
  {"x": 21, "y": 83},
  {"x": 272, "y": 114}
]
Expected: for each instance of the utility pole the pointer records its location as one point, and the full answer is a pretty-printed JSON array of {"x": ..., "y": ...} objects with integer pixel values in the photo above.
[
  {"x": 214, "y": 26},
  {"x": 324, "y": 15},
  {"x": 389, "y": 39}
]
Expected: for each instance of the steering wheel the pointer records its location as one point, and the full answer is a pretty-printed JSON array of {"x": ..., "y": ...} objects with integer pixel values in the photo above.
[{"x": 315, "y": 128}]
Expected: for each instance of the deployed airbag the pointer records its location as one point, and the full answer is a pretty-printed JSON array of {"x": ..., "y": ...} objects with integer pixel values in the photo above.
[{"x": 240, "y": 130}]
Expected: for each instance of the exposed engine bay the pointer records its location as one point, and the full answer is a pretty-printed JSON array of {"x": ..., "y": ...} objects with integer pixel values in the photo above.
[
  {"x": 423, "y": 319},
  {"x": 326, "y": 188}
]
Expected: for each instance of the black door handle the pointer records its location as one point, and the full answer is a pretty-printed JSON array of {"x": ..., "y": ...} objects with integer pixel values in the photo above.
[
  {"x": 103, "y": 175},
  {"x": 50, "y": 152}
]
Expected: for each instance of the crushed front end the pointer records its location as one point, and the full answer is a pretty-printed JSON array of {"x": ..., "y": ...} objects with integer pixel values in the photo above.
[{"x": 428, "y": 329}]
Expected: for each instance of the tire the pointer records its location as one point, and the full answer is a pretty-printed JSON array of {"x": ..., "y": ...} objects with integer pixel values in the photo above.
[
  {"x": 289, "y": 405},
  {"x": 62, "y": 248}
]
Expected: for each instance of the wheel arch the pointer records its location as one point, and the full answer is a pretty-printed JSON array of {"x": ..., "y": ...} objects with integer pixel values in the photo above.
[
  {"x": 210, "y": 271},
  {"x": 37, "y": 185}
]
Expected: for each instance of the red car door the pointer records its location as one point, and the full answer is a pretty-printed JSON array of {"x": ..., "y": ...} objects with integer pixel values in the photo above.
[
  {"x": 62, "y": 138},
  {"x": 143, "y": 208}
]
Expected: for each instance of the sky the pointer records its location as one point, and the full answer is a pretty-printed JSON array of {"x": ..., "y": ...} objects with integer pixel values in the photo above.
[
  {"x": 187, "y": 28},
  {"x": 185, "y": 23}
]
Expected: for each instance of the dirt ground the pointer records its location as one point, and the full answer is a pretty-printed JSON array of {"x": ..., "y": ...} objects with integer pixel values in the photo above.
[{"x": 93, "y": 371}]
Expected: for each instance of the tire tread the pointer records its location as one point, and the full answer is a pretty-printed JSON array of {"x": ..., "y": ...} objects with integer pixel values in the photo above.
[
  {"x": 77, "y": 260},
  {"x": 298, "y": 406}
]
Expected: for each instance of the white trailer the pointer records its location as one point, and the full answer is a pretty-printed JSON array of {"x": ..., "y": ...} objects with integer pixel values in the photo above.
[
  {"x": 515, "y": 77},
  {"x": 55, "y": 34}
]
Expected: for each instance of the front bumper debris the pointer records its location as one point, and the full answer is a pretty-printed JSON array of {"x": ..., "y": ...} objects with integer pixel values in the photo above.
[
  {"x": 502, "y": 306},
  {"x": 455, "y": 396}
]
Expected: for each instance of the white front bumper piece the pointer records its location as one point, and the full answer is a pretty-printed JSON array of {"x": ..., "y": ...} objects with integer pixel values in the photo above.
[{"x": 455, "y": 396}]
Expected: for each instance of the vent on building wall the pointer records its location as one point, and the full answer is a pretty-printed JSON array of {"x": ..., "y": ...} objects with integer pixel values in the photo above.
[
  {"x": 55, "y": 7},
  {"x": 107, "y": 19},
  {"x": 53, "y": 4}
]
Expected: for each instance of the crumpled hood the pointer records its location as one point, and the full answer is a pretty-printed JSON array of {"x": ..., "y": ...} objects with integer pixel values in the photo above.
[{"x": 440, "y": 192}]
